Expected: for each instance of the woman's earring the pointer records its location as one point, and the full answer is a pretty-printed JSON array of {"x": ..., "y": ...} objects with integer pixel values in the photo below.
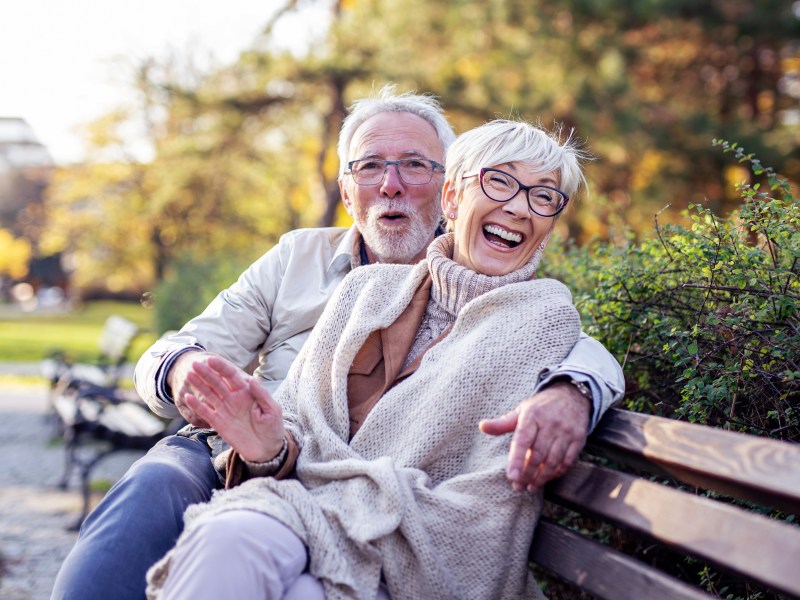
[
  {"x": 452, "y": 215},
  {"x": 541, "y": 246}
]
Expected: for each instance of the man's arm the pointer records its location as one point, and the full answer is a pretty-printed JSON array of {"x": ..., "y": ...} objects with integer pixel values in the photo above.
[
  {"x": 234, "y": 326},
  {"x": 550, "y": 428}
]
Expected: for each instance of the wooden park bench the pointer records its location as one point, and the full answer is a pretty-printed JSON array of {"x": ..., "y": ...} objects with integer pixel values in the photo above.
[
  {"x": 618, "y": 488},
  {"x": 95, "y": 416}
]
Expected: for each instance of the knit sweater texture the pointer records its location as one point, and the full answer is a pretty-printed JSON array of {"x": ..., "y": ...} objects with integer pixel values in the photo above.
[
  {"x": 419, "y": 495},
  {"x": 454, "y": 285}
]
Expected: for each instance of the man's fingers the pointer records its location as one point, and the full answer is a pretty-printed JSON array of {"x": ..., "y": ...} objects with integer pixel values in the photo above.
[
  {"x": 184, "y": 409},
  {"x": 573, "y": 451},
  {"x": 500, "y": 425},
  {"x": 549, "y": 436},
  {"x": 535, "y": 456},
  {"x": 550, "y": 467},
  {"x": 524, "y": 436}
]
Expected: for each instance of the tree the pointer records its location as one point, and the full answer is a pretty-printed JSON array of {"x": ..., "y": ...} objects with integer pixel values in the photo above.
[
  {"x": 223, "y": 180},
  {"x": 14, "y": 255},
  {"x": 648, "y": 86}
]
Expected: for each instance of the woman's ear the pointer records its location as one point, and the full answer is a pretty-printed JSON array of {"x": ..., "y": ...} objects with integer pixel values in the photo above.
[{"x": 449, "y": 203}]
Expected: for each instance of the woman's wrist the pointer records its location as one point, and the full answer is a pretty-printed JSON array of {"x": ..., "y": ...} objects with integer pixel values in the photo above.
[{"x": 270, "y": 462}]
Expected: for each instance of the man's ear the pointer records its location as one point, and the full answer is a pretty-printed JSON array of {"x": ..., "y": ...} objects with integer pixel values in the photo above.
[
  {"x": 346, "y": 200},
  {"x": 449, "y": 204}
]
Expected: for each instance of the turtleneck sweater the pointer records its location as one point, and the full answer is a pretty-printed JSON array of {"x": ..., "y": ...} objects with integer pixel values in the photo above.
[{"x": 453, "y": 285}]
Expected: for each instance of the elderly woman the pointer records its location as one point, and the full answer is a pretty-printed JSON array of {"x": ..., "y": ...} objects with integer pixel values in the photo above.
[{"x": 395, "y": 490}]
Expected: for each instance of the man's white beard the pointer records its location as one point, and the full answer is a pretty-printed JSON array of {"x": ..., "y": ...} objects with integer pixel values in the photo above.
[{"x": 397, "y": 245}]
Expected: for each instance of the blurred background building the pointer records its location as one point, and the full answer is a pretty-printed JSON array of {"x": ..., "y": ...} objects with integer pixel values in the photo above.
[{"x": 26, "y": 168}]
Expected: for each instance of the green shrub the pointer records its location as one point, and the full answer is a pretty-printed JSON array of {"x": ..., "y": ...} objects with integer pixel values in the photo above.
[
  {"x": 188, "y": 287},
  {"x": 705, "y": 319}
]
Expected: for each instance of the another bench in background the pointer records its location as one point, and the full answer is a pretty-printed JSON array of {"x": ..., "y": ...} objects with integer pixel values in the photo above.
[{"x": 94, "y": 415}]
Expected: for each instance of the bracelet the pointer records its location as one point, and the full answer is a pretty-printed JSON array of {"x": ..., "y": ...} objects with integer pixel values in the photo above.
[
  {"x": 584, "y": 389},
  {"x": 270, "y": 466}
]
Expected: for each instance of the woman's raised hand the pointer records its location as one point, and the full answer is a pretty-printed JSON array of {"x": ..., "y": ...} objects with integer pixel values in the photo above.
[{"x": 237, "y": 407}]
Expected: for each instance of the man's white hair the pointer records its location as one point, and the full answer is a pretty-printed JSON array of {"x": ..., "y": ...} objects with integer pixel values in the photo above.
[
  {"x": 424, "y": 106},
  {"x": 503, "y": 141}
]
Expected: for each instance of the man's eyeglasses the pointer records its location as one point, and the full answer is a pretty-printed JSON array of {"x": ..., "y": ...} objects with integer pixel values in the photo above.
[
  {"x": 500, "y": 186},
  {"x": 412, "y": 171}
]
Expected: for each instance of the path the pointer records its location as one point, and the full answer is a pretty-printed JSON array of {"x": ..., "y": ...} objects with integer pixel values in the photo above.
[{"x": 34, "y": 515}]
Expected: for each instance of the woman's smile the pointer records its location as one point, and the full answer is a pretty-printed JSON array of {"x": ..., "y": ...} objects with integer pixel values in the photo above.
[{"x": 501, "y": 237}]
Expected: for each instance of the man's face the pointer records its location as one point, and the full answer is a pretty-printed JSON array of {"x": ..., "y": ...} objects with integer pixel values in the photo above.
[{"x": 397, "y": 220}]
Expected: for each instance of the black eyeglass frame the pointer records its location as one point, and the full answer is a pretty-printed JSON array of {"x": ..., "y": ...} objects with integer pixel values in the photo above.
[
  {"x": 435, "y": 168},
  {"x": 522, "y": 187}
]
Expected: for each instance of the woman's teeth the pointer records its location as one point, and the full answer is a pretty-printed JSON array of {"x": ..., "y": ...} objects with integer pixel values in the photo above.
[{"x": 511, "y": 238}]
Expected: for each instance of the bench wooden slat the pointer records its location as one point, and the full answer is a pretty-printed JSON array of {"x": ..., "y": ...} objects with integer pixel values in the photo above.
[
  {"x": 744, "y": 466},
  {"x": 720, "y": 533},
  {"x": 602, "y": 571}
]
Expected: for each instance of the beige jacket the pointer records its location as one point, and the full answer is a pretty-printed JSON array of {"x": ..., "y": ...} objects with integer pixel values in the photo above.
[{"x": 266, "y": 316}]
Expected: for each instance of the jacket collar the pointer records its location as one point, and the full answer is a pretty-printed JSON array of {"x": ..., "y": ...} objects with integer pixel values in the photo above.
[{"x": 343, "y": 258}]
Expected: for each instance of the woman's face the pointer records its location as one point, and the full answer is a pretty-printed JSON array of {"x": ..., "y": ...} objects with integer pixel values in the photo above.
[{"x": 496, "y": 238}]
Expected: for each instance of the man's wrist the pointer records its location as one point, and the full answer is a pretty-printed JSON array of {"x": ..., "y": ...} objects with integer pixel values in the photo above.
[
  {"x": 172, "y": 367},
  {"x": 164, "y": 372},
  {"x": 568, "y": 384},
  {"x": 580, "y": 386}
]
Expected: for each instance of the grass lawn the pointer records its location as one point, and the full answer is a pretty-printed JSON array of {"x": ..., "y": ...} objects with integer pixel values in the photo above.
[{"x": 26, "y": 337}]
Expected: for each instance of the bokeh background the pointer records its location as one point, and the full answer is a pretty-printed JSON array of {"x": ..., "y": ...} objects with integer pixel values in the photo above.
[
  {"x": 151, "y": 150},
  {"x": 196, "y": 160}
]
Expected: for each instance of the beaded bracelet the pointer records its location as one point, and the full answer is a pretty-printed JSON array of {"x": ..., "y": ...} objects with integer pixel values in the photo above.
[{"x": 259, "y": 469}]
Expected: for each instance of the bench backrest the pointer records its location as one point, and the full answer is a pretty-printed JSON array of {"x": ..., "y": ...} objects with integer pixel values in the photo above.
[
  {"x": 736, "y": 540},
  {"x": 116, "y": 338}
]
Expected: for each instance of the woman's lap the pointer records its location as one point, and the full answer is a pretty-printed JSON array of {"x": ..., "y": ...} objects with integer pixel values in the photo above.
[
  {"x": 239, "y": 554},
  {"x": 243, "y": 554}
]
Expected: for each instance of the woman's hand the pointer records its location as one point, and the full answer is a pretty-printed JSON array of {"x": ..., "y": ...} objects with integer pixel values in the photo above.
[{"x": 237, "y": 407}]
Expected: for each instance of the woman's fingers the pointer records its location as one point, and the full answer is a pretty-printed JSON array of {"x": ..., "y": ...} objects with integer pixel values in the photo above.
[
  {"x": 229, "y": 373},
  {"x": 208, "y": 391},
  {"x": 261, "y": 396},
  {"x": 201, "y": 410}
]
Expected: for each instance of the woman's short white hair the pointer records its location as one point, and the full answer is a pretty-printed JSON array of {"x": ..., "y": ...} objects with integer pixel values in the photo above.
[
  {"x": 386, "y": 100},
  {"x": 503, "y": 141}
]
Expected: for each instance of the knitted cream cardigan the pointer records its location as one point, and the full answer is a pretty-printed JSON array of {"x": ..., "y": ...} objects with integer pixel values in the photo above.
[{"x": 419, "y": 495}]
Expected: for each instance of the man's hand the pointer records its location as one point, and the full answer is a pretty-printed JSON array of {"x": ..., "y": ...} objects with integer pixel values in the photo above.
[
  {"x": 549, "y": 433},
  {"x": 237, "y": 407},
  {"x": 180, "y": 387}
]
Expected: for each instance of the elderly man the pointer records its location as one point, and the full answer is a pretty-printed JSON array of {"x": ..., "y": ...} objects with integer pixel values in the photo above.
[{"x": 266, "y": 316}]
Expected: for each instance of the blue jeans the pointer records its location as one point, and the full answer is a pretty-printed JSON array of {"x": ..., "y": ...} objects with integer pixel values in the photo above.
[{"x": 138, "y": 520}]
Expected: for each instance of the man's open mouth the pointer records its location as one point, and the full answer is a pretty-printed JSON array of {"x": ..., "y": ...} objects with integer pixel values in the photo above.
[
  {"x": 392, "y": 216},
  {"x": 498, "y": 236}
]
